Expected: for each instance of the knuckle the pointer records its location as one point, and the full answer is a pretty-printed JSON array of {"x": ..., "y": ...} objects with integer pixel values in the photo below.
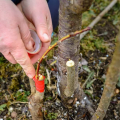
[
  {"x": 28, "y": 69},
  {"x": 7, "y": 43},
  {"x": 27, "y": 36},
  {"x": 22, "y": 61},
  {"x": 43, "y": 26}
]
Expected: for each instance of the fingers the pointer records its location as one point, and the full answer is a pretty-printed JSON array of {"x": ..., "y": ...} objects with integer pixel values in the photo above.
[
  {"x": 42, "y": 20},
  {"x": 42, "y": 51},
  {"x": 26, "y": 36},
  {"x": 21, "y": 57},
  {"x": 30, "y": 25},
  {"x": 43, "y": 29},
  {"x": 10, "y": 58},
  {"x": 43, "y": 25},
  {"x": 15, "y": 52},
  {"x": 15, "y": 37},
  {"x": 40, "y": 16},
  {"x": 24, "y": 27}
]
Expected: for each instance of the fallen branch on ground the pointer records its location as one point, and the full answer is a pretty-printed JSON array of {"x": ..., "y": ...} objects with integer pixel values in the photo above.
[{"x": 98, "y": 18}]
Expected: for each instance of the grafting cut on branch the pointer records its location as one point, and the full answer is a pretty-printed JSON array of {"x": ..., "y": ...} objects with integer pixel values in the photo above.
[{"x": 69, "y": 91}]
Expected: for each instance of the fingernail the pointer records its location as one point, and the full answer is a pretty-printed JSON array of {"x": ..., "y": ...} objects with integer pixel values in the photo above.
[{"x": 46, "y": 38}]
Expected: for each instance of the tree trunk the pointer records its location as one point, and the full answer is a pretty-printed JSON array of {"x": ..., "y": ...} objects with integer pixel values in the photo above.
[
  {"x": 70, "y": 16},
  {"x": 35, "y": 102},
  {"x": 35, "y": 105}
]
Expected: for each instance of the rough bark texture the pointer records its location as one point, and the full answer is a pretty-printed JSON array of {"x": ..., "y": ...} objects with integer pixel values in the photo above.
[
  {"x": 32, "y": 85},
  {"x": 79, "y": 6},
  {"x": 110, "y": 83},
  {"x": 70, "y": 15},
  {"x": 35, "y": 105}
]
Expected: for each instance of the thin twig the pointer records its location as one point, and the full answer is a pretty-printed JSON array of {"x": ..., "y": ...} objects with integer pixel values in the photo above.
[
  {"x": 91, "y": 75},
  {"x": 98, "y": 18},
  {"x": 16, "y": 102},
  {"x": 51, "y": 47},
  {"x": 48, "y": 76}
]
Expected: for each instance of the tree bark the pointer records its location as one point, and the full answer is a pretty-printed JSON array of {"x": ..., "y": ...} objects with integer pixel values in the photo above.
[
  {"x": 35, "y": 102},
  {"x": 69, "y": 91},
  {"x": 35, "y": 105},
  {"x": 110, "y": 83},
  {"x": 70, "y": 16}
]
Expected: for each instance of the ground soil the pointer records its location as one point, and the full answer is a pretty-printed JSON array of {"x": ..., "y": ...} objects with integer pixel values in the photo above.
[{"x": 15, "y": 88}]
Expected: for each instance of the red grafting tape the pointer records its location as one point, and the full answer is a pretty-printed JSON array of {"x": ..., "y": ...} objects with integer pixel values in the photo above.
[
  {"x": 30, "y": 55},
  {"x": 40, "y": 85}
]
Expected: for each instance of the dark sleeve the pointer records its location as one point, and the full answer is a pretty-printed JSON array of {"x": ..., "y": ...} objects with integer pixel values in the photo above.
[
  {"x": 16, "y": 1},
  {"x": 54, "y": 10}
]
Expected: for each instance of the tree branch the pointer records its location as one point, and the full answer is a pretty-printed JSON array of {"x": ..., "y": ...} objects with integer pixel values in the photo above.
[
  {"x": 98, "y": 18},
  {"x": 110, "y": 83},
  {"x": 69, "y": 91},
  {"x": 32, "y": 85}
]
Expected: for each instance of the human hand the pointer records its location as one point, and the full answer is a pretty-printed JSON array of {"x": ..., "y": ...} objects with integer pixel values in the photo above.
[
  {"x": 38, "y": 19},
  {"x": 15, "y": 37}
]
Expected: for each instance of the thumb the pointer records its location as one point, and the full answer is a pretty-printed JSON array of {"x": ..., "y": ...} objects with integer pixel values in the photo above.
[{"x": 43, "y": 29}]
